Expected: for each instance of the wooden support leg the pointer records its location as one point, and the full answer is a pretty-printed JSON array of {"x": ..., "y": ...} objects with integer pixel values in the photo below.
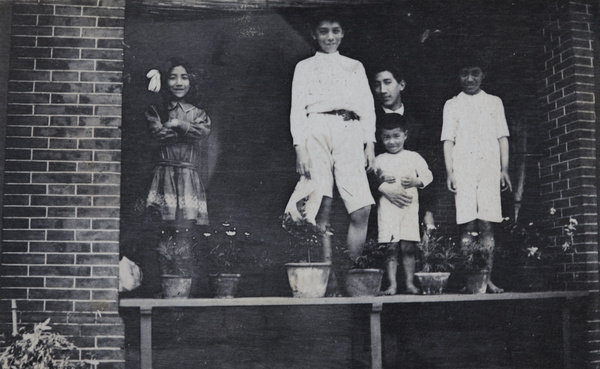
[
  {"x": 146, "y": 338},
  {"x": 566, "y": 327},
  {"x": 376, "y": 355}
]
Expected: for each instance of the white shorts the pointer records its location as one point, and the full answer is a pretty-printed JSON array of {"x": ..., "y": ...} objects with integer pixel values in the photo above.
[
  {"x": 478, "y": 196},
  {"x": 336, "y": 151},
  {"x": 396, "y": 224}
]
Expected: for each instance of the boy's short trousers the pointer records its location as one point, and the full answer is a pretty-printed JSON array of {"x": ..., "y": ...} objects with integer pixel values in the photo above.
[
  {"x": 395, "y": 224},
  {"x": 478, "y": 195},
  {"x": 336, "y": 151}
]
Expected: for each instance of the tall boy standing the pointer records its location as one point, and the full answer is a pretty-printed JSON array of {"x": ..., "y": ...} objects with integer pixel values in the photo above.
[{"x": 475, "y": 140}]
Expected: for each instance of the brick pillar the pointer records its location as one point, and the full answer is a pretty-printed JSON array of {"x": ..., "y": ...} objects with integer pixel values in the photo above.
[
  {"x": 568, "y": 172},
  {"x": 61, "y": 199}
]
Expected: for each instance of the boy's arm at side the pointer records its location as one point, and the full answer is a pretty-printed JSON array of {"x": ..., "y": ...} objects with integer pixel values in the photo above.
[
  {"x": 504, "y": 176},
  {"x": 448, "y": 160}
]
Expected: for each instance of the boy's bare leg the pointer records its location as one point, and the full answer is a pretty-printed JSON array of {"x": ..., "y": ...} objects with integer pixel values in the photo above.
[
  {"x": 487, "y": 238},
  {"x": 323, "y": 218},
  {"x": 408, "y": 263},
  {"x": 391, "y": 267},
  {"x": 357, "y": 231}
]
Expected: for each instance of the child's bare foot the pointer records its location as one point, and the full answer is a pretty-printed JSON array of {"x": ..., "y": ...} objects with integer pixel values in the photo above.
[
  {"x": 412, "y": 290},
  {"x": 390, "y": 291},
  {"x": 492, "y": 288}
]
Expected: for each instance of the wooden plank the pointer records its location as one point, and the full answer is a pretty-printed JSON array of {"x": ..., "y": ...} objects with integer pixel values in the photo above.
[{"x": 396, "y": 299}]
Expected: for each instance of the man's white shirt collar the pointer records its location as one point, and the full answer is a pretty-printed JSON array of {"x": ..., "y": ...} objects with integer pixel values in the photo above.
[{"x": 400, "y": 110}]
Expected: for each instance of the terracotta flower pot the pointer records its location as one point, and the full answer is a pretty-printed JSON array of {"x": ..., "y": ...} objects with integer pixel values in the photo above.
[
  {"x": 223, "y": 285},
  {"x": 432, "y": 283},
  {"x": 363, "y": 282},
  {"x": 175, "y": 286},
  {"x": 308, "y": 279}
]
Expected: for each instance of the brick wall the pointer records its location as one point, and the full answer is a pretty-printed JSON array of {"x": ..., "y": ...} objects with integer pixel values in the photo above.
[
  {"x": 568, "y": 171},
  {"x": 62, "y": 180}
]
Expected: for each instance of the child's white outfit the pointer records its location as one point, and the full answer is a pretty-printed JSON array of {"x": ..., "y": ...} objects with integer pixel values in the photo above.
[
  {"x": 475, "y": 123},
  {"x": 333, "y": 115},
  {"x": 394, "y": 223}
]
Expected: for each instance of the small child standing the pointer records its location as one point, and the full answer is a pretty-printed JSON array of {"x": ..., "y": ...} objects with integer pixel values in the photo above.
[
  {"x": 406, "y": 170},
  {"x": 475, "y": 139},
  {"x": 176, "y": 192}
]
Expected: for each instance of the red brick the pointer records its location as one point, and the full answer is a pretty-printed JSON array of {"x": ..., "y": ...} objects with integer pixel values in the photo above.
[
  {"x": 61, "y": 178},
  {"x": 107, "y": 201},
  {"x": 63, "y": 110},
  {"x": 20, "y": 109},
  {"x": 13, "y": 270},
  {"x": 23, "y": 212},
  {"x": 103, "y": 32},
  {"x": 107, "y": 156},
  {"x": 64, "y": 87},
  {"x": 59, "y": 306},
  {"x": 69, "y": 10},
  {"x": 98, "y": 213},
  {"x": 100, "y": 122},
  {"x": 104, "y": 12},
  {"x": 9, "y": 258},
  {"x": 61, "y": 167},
  {"x": 105, "y": 271},
  {"x": 29, "y": 75},
  {"x": 20, "y": 86},
  {"x": 79, "y": 271},
  {"x": 61, "y": 189},
  {"x": 108, "y": 88},
  {"x": 100, "y": 167},
  {"x": 60, "y": 283},
  {"x": 63, "y": 144},
  {"x": 98, "y": 329},
  {"x": 96, "y": 235},
  {"x": 23, "y": 234},
  {"x": 76, "y": 247},
  {"x": 63, "y": 121},
  {"x": 28, "y": 166},
  {"x": 109, "y": 66},
  {"x": 50, "y": 223},
  {"x": 102, "y": 76},
  {"x": 14, "y": 293},
  {"x": 24, "y": 20},
  {"x": 111, "y": 99},
  {"x": 30, "y": 52},
  {"x": 102, "y": 54},
  {"x": 98, "y": 190},
  {"x": 15, "y": 246},
  {"x": 60, "y": 235},
  {"x": 28, "y": 98},
  {"x": 61, "y": 212},
  {"x": 21, "y": 282},
  {"x": 97, "y": 283},
  {"x": 103, "y": 144},
  {"x": 16, "y": 200},
  {"x": 62, "y": 64},
  {"x": 65, "y": 53},
  {"x": 58, "y": 294},
  {"x": 67, "y": 31},
  {"x": 106, "y": 247},
  {"x": 58, "y": 76},
  {"x": 111, "y": 22},
  {"x": 15, "y": 223},
  {"x": 66, "y": 22},
  {"x": 65, "y": 98}
]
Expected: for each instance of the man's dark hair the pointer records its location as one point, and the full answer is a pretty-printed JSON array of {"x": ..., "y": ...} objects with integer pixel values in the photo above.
[
  {"x": 393, "y": 121},
  {"x": 393, "y": 69},
  {"x": 325, "y": 15}
]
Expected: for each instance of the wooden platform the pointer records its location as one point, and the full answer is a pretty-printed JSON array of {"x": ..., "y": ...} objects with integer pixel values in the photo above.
[{"x": 146, "y": 306}]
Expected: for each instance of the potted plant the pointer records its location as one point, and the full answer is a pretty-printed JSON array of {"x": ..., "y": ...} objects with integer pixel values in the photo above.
[
  {"x": 438, "y": 258},
  {"x": 364, "y": 278},
  {"x": 39, "y": 349},
  {"x": 474, "y": 264},
  {"x": 226, "y": 250},
  {"x": 532, "y": 250},
  {"x": 176, "y": 262},
  {"x": 308, "y": 274}
]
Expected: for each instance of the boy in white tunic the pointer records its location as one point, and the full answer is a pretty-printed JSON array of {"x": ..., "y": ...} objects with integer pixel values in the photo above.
[
  {"x": 475, "y": 140},
  {"x": 332, "y": 121},
  {"x": 401, "y": 170}
]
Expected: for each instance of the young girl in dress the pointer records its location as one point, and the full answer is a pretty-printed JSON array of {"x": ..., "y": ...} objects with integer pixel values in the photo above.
[{"x": 177, "y": 193}]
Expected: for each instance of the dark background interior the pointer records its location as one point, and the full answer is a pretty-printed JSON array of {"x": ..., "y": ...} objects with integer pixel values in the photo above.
[{"x": 246, "y": 59}]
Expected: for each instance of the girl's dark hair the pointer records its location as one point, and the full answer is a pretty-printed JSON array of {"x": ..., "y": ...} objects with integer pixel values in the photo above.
[
  {"x": 192, "y": 96},
  {"x": 325, "y": 15}
]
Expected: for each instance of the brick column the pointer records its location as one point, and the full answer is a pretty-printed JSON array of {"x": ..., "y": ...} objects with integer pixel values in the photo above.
[
  {"x": 568, "y": 172},
  {"x": 61, "y": 200}
]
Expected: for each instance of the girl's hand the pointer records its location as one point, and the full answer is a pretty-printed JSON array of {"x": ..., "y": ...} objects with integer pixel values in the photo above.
[
  {"x": 303, "y": 163},
  {"x": 505, "y": 181},
  {"x": 408, "y": 182},
  {"x": 451, "y": 182},
  {"x": 171, "y": 123}
]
